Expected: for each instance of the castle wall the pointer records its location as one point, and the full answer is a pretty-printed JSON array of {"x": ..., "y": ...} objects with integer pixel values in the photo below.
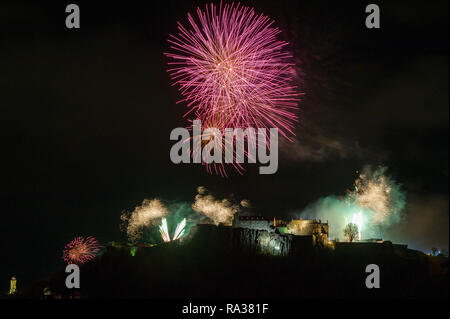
[{"x": 253, "y": 222}]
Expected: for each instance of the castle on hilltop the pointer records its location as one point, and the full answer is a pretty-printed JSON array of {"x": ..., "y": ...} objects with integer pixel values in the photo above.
[{"x": 280, "y": 235}]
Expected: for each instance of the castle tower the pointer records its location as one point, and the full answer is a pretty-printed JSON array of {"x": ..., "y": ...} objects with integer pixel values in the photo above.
[{"x": 13, "y": 285}]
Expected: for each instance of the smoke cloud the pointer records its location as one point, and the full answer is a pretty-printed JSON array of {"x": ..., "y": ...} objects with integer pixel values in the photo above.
[
  {"x": 145, "y": 215},
  {"x": 425, "y": 225},
  {"x": 319, "y": 149},
  {"x": 216, "y": 210}
]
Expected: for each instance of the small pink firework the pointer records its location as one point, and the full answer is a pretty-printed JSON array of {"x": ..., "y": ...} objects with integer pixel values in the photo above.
[
  {"x": 81, "y": 250},
  {"x": 233, "y": 71}
]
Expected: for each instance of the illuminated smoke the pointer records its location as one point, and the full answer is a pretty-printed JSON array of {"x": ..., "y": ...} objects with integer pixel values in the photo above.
[
  {"x": 246, "y": 203},
  {"x": 172, "y": 220},
  {"x": 376, "y": 203},
  {"x": 216, "y": 210},
  {"x": 147, "y": 214}
]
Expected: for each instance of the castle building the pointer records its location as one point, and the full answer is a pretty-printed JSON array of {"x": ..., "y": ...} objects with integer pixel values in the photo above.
[
  {"x": 315, "y": 229},
  {"x": 309, "y": 227}
]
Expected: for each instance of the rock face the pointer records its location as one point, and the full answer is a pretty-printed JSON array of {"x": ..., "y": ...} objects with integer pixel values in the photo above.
[
  {"x": 253, "y": 241},
  {"x": 261, "y": 241}
]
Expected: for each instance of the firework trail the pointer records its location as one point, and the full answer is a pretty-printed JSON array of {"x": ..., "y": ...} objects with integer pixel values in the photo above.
[
  {"x": 233, "y": 72},
  {"x": 164, "y": 230},
  {"x": 179, "y": 231},
  {"x": 81, "y": 250}
]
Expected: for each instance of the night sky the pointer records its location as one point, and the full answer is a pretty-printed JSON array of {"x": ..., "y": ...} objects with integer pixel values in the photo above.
[{"x": 86, "y": 116}]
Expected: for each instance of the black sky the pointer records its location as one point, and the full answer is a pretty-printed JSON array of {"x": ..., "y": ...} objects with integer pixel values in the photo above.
[{"x": 86, "y": 116}]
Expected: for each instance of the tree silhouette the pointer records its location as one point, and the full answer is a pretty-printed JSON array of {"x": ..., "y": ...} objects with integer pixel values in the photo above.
[{"x": 351, "y": 231}]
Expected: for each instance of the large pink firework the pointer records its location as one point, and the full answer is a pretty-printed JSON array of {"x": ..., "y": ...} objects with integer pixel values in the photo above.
[
  {"x": 81, "y": 250},
  {"x": 233, "y": 71}
]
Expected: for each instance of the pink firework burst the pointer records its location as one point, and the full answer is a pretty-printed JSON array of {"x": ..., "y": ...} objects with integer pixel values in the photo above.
[
  {"x": 233, "y": 72},
  {"x": 81, "y": 250}
]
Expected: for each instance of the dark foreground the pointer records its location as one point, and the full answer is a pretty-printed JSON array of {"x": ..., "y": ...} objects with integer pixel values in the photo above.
[{"x": 207, "y": 266}]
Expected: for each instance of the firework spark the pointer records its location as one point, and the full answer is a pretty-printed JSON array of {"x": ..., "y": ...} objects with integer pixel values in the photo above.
[
  {"x": 358, "y": 220},
  {"x": 380, "y": 194},
  {"x": 233, "y": 72},
  {"x": 81, "y": 250}
]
